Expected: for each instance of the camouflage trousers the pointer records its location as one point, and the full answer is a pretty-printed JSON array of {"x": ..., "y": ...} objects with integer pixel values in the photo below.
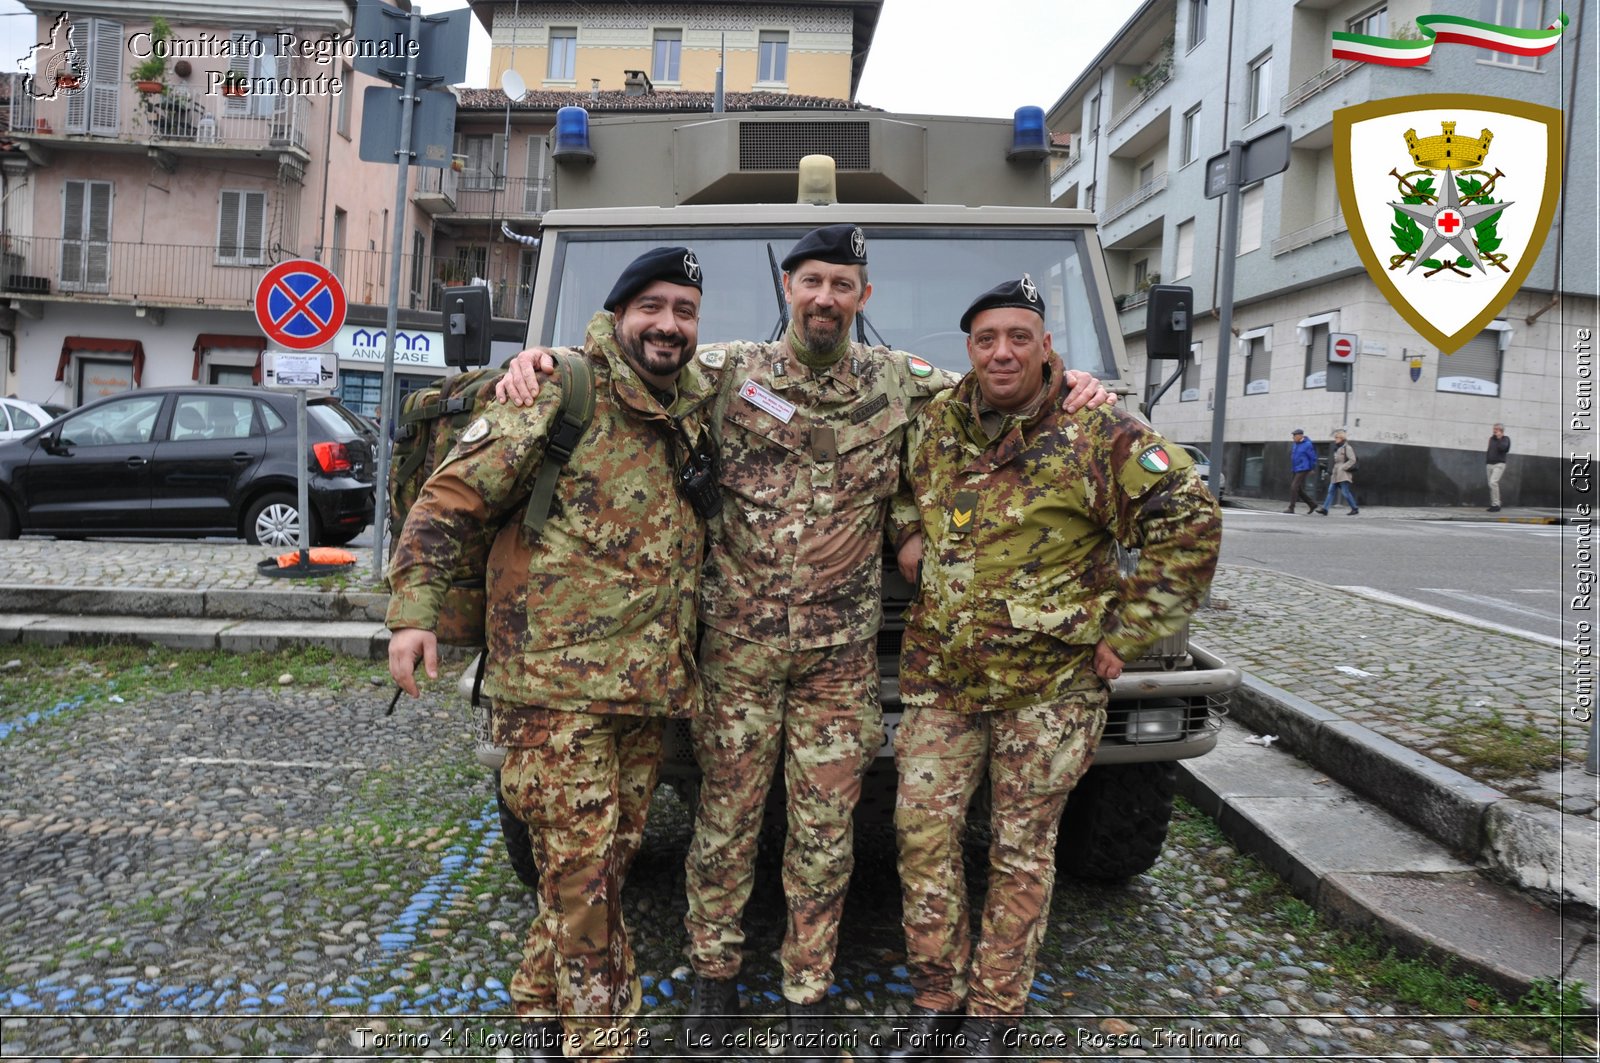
[
  {"x": 820, "y": 708},
  {"x": 583, "y": 787},
  {"x": 1035, "y": 756}
]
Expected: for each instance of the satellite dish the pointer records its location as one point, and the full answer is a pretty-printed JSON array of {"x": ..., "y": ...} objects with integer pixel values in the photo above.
[{"x": 513, "y": 86}]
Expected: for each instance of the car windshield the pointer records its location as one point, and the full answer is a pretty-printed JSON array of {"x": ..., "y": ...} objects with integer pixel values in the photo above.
[
  {"x": 336, "y": 420},
  {"x": 921, "y": 282}
]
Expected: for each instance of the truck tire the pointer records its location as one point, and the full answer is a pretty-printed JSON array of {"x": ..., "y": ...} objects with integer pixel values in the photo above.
[
  {"x": 1116, "y": 821},
  {"x": 519, "y": 848}
]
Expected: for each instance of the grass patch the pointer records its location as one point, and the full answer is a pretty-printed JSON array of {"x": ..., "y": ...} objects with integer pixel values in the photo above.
[
  {"x": 49, "y": 675},
  {"x": 1501, "y": 749}
]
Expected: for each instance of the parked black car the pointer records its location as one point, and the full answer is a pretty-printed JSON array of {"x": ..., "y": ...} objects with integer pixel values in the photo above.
[{"x": 191, "y": 461}]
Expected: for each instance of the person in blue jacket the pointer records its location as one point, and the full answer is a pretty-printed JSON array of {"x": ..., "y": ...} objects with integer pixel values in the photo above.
[{"x": 1302, "y": 461}]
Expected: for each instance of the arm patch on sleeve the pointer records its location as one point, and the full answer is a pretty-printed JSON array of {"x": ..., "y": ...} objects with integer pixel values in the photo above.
[{"x": 1149, "y": 465}]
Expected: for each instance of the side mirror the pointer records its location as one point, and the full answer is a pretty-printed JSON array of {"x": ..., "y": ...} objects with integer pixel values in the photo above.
[
  {"x": 1168, "y": 316},
  {"x": 466, "y": 326}
]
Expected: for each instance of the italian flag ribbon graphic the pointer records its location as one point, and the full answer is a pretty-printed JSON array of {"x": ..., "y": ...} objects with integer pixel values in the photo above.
[{"x": 1447, "y": 29}]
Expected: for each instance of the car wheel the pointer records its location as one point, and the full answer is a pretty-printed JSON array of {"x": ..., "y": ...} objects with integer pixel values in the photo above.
[
  {"x": 519, "y": 847},
  {"x": 1116, "y": 821},
  {"x": 274, "y": 520},
  {"x": 10, "y": 527}
]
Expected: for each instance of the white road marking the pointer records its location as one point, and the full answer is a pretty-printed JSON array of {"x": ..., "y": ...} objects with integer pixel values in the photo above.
[
  {"x": 241, "y": 762},
  {"x": 1450, "y": 614},
  {"x": 1485, "y": 599}
]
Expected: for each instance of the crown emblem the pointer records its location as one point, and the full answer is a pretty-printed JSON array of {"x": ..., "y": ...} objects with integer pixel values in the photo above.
[{"x": 1450, "y": 150}]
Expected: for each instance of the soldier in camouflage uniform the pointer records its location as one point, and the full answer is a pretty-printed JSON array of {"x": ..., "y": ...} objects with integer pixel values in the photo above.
[
  {"x": 590, "y": 627},
  {"x": 811, "y": 431},
  {"x": 1022, "y": 616}
]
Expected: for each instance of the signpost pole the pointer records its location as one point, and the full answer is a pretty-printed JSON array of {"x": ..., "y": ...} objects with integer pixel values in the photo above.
[
  {"x": 408, "y": 97},
  {"x": 1230, "y": 251},
  {"x": 302, "y": 487}
]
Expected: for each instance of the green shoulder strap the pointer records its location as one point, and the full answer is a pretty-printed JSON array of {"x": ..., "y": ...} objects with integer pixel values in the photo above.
[{"x": 572, "y": 419}]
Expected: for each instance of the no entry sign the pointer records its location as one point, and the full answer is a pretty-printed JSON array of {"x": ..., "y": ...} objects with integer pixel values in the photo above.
[
  {"x": 1342, "y": 347},
  {"x": 300, "y": 304}
]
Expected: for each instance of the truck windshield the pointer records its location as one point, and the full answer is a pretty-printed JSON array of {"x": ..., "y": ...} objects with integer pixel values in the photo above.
[{"x": 922, "y": 280}]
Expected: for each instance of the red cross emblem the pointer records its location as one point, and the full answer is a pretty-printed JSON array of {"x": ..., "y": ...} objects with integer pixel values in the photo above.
[{"x": 1448, "y": 222}]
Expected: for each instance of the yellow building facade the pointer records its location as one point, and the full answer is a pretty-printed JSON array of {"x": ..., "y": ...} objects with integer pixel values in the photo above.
[{"x": 814, "y": 49}]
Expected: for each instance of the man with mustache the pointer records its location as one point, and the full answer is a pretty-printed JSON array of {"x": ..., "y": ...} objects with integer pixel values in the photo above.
[
  {"x": 811, "y": 430},
  {"x": 1021, "y": 618},
  {"x": 590, "y": 630}
]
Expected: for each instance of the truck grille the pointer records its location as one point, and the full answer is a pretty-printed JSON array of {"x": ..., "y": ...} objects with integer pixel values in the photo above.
[{"x": 781, "y": 145}]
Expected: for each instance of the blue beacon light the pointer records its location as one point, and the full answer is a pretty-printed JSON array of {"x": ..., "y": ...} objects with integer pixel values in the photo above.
[
  {"x": 1029, "y": 141},
  {"x": 572, "y": 136}
]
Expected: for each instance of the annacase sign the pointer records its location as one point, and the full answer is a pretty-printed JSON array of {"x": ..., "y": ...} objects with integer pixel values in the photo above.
[{"x": 365, "y": 343}]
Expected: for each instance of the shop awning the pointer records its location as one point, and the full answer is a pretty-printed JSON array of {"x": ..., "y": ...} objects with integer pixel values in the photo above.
[
  {"x": 101, "y": 345},
  {"x": 208, "y": 340}
]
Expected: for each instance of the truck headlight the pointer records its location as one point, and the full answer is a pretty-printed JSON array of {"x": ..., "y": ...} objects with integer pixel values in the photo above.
[{"x": 1156, "y": 724}]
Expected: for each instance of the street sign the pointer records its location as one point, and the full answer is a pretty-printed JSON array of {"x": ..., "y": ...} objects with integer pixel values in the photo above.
[
  {"x": 317, "y": 370},
  {"x": 1342, "y": 346},
  {"x": 441, "y": 43},
  {"x": 1263, "y": 157},
  {"x": 300, "y": 304},
  {"x": 433, "y": 126}
]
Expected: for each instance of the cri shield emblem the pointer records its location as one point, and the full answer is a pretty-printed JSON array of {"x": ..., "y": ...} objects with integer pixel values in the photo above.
[{"x": 1448, "y": 200}]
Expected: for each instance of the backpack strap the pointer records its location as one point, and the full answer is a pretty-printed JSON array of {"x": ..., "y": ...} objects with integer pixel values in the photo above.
[{"x": 572, "y": 420}]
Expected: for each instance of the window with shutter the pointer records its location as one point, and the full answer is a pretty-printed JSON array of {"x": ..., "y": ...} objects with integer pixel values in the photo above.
[
  {"x": 1184, "y": 264},
  {"x": 241, "y": 228},
  {"x": 536, "y": 195},
  {"x": 254, "y": 56},
  {"x": 1257, "y": 361},
  {"x": 99, "y": 44},
  {"x": 1475, "y": 368},
  {"x": 86, "y": 235},
  {"x": 1191, "y": 375},
  {"x": 1251, "y": 204}
]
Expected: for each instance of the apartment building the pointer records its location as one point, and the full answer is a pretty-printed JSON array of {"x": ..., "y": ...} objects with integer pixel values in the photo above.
[
  {"x": 145, "y": 197},
  {"x": 1184, "y": 78},
  {"x": 803, "y": 47}
]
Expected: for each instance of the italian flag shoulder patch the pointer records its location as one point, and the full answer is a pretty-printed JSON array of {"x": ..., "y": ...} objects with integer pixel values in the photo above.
[{"x": 1155, "y": 459}]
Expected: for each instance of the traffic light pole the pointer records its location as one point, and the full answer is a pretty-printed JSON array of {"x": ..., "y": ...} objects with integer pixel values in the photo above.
[
  {"x": 1230, "y": 252},
  {"x": 388, "y": 407}
]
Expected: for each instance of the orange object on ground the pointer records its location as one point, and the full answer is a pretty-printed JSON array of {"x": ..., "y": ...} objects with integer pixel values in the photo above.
[{"x": 318, "y": 555}]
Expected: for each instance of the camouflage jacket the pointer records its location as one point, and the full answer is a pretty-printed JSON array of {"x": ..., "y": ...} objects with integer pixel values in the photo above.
[
  {"x": 1019, "y": 575},
  {"x": 810, "y": 460},
  {"x": 597, "y": 614}
]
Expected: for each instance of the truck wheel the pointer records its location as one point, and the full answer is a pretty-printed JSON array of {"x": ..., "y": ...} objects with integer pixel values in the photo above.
[
  {"x": 1116, "y": 821},
  {"x": 519, "y": 848}
]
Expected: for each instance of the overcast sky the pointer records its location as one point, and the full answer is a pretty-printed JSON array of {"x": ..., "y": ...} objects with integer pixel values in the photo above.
[{"x": 928, "y": 56}]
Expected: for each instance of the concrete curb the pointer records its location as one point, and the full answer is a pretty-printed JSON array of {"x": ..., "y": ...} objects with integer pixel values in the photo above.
[
  {"x": 356, "y": 638},
  {"x": 329, "y": 605},
  {"x": 1535, "y": 848}
]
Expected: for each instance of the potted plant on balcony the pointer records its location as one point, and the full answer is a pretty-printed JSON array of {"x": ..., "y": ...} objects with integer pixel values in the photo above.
[
  {"x": 233, "y": 84},
  {"x": 150, "y": 75}
]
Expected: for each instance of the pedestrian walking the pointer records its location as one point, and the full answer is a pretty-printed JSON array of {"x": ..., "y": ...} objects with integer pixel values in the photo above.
[
  {"x": 1022, "y": 618},
  {"x": 590, "y": 626},
  {"x": 1495, "y": 463},
  {"x": 1302, "y": 462},
  {"x": 811, "y": 430},
  {"x": 1343, "y": 460}
]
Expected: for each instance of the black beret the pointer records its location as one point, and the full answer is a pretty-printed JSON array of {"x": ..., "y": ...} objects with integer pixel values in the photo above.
[
  {"x": 1022, "y": 293},
  {"x": 675, "y": 264},
  {"x": 845, "y": 245}
]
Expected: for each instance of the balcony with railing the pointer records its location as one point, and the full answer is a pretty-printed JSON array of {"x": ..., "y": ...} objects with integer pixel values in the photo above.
[
  {"x": 1150, "y": 188},
  {"x": 1309, "y": 235},
  {"x": 176, "y": 119}
]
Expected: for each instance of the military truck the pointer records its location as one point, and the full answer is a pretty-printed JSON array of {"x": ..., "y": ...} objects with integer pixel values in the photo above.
[{"x": 950, "y": 207}]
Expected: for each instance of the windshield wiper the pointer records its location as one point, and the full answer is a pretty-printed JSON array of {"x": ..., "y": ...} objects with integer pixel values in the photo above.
[
  {"x": 777, "y": 290},
  {"x": 862, "y": 324}
]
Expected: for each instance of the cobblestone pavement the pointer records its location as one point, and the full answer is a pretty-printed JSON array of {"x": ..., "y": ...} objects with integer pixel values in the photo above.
[
  {"x": 288, "y": 872},
  {"x": 1486, "y": 704}
]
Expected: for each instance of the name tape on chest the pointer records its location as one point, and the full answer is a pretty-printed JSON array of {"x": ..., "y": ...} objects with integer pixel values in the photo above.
[{"x": 764, "y": 400}]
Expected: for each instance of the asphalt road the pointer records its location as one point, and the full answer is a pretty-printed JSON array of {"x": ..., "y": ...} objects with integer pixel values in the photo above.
[{"x": 1507, "y": 576}]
